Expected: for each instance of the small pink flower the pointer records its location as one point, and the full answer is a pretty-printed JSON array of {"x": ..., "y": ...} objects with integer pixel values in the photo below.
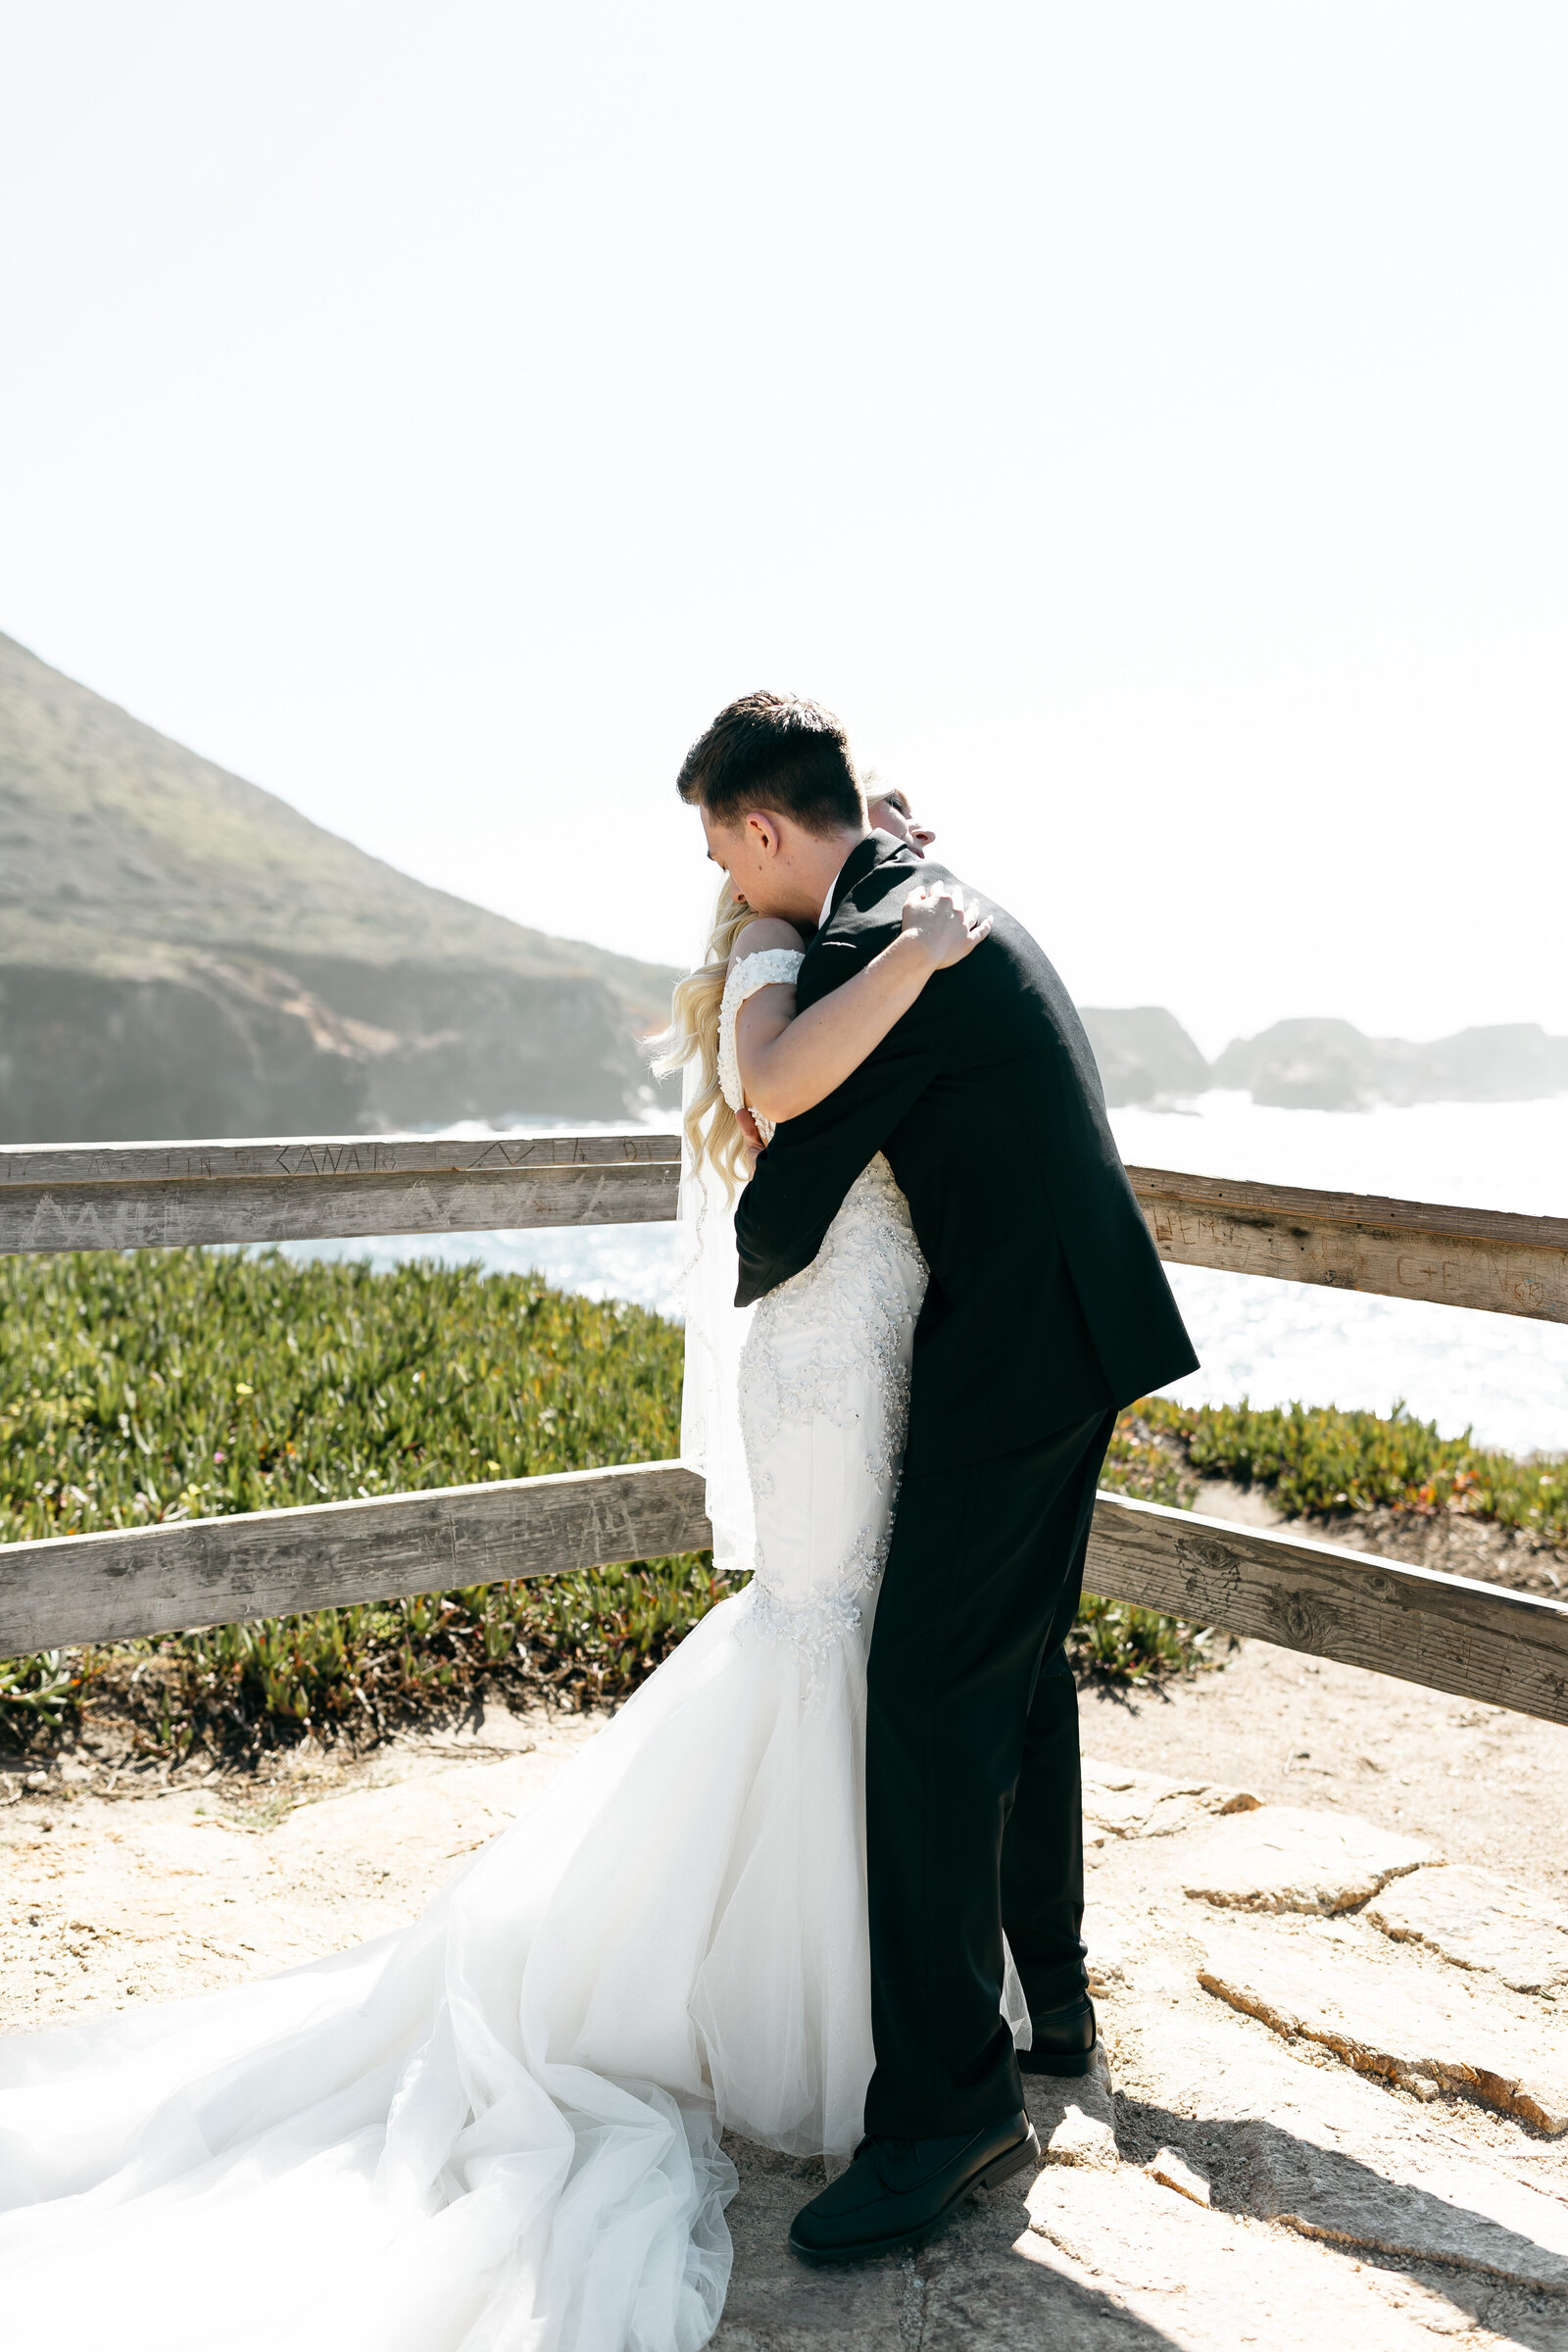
[{"x": 219, "y": 1455}]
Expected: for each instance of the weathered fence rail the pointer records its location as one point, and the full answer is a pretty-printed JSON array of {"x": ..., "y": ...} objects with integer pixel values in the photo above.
[
  {"x": 1479, "y": 1641},
  {"x": 1450, "y": 1633},
  {"x": 157, "y": 1579},
  {"x": 1506, "y": 1265},
  {"x": 1447, "y": 1632},
  {"x": 154, "y": 1195},
  {"x": 140, "y": 1196}
]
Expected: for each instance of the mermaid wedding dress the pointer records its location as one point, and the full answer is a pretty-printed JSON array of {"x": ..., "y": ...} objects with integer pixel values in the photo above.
[{"x": 499, "y": 2128}]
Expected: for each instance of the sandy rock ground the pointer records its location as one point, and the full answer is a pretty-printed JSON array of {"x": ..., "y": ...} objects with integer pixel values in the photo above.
[
  {"x": 1328, "y": 1925},
  {"x": 112, "y": 1901}
]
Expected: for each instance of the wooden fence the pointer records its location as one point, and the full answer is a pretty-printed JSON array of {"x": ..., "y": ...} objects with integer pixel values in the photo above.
[{"x": 1450, "y": 1633}]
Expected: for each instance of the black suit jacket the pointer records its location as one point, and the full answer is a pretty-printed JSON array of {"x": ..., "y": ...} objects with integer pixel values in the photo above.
[{"x": 1047, "y": 1301}]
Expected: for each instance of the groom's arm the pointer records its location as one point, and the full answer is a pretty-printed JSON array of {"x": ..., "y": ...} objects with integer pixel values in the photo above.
[{"x": 803, "y": 1176}]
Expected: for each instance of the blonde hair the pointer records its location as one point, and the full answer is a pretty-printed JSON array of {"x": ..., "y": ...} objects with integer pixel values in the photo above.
[{"x": 713, "y": 1131}]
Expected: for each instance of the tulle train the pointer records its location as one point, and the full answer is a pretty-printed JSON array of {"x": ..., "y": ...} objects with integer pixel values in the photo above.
[{"x": 499, "y": 2128}]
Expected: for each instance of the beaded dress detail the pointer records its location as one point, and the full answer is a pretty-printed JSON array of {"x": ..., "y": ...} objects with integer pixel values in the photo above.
[{"x": 824, "y": 1392}]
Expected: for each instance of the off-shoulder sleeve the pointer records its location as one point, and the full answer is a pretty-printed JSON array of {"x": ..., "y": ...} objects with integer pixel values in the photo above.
[{"x": 767, "y": 969}]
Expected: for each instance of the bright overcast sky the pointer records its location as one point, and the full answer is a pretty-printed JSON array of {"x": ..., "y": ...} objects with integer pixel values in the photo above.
[{"x": 1143, "y": 423}]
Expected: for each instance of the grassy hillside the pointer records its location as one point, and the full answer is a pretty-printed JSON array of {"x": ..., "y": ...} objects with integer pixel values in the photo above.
[
  {"x": 183, "y": 954},
  {"x": 101, "y": 816}
]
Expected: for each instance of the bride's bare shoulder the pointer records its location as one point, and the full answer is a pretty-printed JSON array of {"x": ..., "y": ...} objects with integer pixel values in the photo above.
[{"x": 767, "y": 931}]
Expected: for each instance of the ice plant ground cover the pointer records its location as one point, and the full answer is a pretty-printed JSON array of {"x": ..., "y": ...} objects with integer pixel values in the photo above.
[{"x": 184, "y": 1384}]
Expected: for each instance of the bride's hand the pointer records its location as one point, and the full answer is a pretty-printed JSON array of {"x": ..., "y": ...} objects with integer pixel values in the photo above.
[
  {"x": 754, "y": 1139},
  {"x": 948, "y": 926}
]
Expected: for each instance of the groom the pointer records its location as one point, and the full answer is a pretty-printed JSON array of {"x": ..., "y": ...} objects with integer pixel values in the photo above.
[{"x": 1046, "y": 1311}]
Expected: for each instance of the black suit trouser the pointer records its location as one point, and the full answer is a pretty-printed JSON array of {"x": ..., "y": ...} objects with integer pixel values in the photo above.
[{"x": 974, "y": 1810}]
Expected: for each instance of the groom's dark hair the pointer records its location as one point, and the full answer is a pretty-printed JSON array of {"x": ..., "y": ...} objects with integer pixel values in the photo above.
[{"x": 773, "y": 750}]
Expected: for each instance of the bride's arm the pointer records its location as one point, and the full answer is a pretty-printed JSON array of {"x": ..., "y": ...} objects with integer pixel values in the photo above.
[{"x": 790, "y": 1063}]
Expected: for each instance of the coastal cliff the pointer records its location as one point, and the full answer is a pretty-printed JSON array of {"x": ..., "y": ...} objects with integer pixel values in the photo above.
[{"x": 183, "y": 953}]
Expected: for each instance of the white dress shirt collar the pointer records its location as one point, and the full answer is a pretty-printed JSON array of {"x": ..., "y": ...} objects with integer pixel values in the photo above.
[{"x": 827, "y": 902}]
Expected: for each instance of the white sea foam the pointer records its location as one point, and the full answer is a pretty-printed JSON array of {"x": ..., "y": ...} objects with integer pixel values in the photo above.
[{"x": 1270, "y": 1340}]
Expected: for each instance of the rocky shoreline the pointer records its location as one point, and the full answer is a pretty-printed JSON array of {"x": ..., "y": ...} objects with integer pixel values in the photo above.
[{"x": 1145, "y": 1056}]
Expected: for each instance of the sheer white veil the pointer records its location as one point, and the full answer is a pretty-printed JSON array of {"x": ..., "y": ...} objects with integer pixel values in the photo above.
[{"x": 715, "y": 1328}]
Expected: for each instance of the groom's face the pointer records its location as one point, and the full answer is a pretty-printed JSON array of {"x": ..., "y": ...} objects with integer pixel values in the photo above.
[{"x": 748, "y": 851}]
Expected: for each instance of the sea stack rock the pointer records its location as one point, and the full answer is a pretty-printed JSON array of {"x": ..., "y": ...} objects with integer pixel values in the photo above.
[
  {"x": 1329, "y": 1065},
  {"x": 1145, "y": 1055}
]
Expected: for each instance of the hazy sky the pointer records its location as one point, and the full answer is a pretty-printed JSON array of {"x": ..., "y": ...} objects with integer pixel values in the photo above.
[{"x": 1143, "y": 423}]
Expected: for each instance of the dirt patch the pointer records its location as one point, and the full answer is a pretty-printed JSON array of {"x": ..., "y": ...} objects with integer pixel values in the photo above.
[
  {"x": 1382, "y": 2215},
  {"x": 1456, "y": 1543},
  {"x": 1453, "y": 1541},
  {"x": 159, "y": 1892},
  {"x": 1483, "y": 1784}
]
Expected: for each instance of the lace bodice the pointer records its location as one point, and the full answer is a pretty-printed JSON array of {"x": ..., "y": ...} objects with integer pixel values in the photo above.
[
  {"x": 764, "y": 970},
  {"x": 823, "y": 1392}
]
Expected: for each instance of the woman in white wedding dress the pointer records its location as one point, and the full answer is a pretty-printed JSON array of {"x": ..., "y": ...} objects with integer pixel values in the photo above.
[{"x": 500, "y": 2126}]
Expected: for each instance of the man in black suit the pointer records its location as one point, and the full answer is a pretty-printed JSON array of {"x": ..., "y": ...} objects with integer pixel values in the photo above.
[{"x": 1046, "y": 1311}]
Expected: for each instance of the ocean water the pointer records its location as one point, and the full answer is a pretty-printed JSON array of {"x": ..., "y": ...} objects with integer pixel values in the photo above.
[
  {"x": 1274, "y": 1342},
  {"x": 1277, "y": 1341}
]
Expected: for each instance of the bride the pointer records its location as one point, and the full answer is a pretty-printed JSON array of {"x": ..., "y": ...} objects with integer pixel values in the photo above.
[{"x": 499, "y": 2128}]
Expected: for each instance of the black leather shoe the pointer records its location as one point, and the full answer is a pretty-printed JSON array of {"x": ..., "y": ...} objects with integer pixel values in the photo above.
[
  {"x": 897, "y": 2191},
  {"x": 1064, "y": 2040}
]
